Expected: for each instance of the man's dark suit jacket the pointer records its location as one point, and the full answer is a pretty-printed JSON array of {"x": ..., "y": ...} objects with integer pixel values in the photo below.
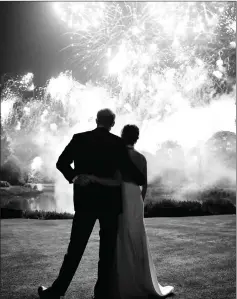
[{"x": 100, "y": 153}]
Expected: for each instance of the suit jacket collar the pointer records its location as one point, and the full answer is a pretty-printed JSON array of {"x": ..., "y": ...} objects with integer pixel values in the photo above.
[{"x": 101, "y": 129}]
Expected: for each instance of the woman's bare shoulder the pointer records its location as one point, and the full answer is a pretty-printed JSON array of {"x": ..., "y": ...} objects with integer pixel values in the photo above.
[{"x": 140, "y": 156}]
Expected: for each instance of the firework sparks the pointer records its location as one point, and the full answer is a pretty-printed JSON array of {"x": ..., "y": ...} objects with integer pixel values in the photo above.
[
  {"x": 53, "y": 127},
  {"x": 147, "y": 69},
  {"x": 36, "y": 164},
  {"x": 77, "y": 15},
  {"x": 7, "y": 107},
  {"x": 26, "y": 82},
  {"x": 59, "y": 87},
  {"x": 119, "y": 62},
  {"x": 99, "y": 30}
]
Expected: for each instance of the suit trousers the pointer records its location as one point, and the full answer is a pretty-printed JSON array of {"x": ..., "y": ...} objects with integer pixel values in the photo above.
[{"x": 82, "y": 226}]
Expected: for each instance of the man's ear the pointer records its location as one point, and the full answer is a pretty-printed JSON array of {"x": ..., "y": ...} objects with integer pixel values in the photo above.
[
  {"x": 96, "y": 121},
  {"x": 113, "y": 124}
]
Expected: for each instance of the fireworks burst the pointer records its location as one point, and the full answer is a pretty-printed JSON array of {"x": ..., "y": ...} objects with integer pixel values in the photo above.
[
  {"x": 77, "y": 15},
  {"x": 147, "y": 66},
  {"x": 116, "y": 37},
  {"x": 26, "y": 82},
  {"x": 7, "y": 107}
]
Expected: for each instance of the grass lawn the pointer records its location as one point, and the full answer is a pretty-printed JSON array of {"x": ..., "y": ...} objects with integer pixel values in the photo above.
[{"x": 194, "y": 254}]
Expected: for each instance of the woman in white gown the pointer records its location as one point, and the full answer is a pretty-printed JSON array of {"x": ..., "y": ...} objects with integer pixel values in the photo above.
[{"x": 135, "y": 273}]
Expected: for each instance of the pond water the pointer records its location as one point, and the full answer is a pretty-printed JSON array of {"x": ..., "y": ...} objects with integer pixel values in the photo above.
[
  {"x": 40, "y": 201},
  {"x": 46, "y": 201}
]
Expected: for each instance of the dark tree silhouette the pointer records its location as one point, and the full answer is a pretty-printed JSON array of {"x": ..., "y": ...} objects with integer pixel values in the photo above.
[{"x": 222, "y": 146}]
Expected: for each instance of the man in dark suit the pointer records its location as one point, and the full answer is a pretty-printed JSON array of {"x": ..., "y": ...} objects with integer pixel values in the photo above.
[{"x": 99, "y": 153}]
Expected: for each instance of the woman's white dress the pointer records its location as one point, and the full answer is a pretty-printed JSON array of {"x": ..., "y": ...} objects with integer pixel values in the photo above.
[{"x": 135, "y": 274}]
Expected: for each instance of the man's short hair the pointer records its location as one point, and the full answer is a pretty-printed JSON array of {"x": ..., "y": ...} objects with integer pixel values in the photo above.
[{"x": 105, "y": 117}]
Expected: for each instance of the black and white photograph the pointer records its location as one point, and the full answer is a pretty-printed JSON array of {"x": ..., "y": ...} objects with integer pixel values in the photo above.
[{"x": 118, "y": 150}]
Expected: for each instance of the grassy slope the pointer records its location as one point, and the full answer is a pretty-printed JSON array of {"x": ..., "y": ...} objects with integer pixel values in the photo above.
[{"x": 195, "y": 255}]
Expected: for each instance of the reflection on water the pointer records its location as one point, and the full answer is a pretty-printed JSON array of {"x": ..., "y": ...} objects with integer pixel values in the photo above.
[
  {"x": 42, "y": 201},
  {"x": 38, "y": 187}
]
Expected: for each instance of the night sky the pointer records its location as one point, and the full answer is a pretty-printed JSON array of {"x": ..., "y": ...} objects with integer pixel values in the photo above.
[{"x": 31, "y": 37}]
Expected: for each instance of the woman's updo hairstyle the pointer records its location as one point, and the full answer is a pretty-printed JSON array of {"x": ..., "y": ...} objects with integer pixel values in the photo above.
[{"x": 130, "y": 134}]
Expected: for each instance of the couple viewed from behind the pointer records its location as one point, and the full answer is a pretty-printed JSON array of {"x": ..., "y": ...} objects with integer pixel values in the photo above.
[{"x": 107, "y": 176}]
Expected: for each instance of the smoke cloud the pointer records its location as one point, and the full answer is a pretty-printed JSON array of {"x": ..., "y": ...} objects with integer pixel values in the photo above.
[{"x": 173, "y": 132}]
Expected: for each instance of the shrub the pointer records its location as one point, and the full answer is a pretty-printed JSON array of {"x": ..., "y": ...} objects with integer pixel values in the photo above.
[
  {"x": 46, "y": 215},
  {"x": 217, "y": 194},
  {"x": 7, "y": 213},
  {"x": 172, "y": 208},
  {"x": 218, "y": 206}
]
